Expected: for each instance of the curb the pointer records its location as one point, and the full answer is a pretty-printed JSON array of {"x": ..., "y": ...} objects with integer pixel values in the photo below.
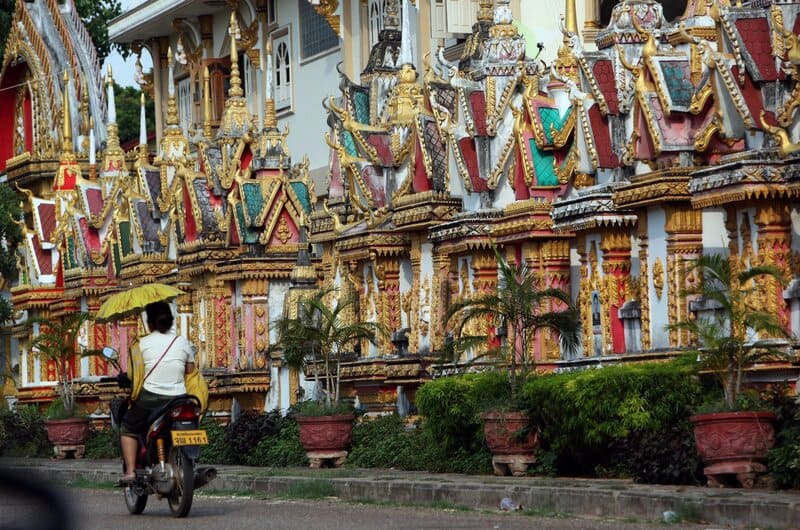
[{"x": 734, "y": 508}]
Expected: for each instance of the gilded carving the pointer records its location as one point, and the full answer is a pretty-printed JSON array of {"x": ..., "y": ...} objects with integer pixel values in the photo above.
[{"x": 658, "y": 277}]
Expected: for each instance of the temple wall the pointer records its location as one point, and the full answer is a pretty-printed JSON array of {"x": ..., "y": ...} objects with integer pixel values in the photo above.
[
  {"x": 657, "y": 284},
  {"x": 715, "y": 235}
]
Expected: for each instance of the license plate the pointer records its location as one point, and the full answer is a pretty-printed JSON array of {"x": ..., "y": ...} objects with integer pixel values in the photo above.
[{"x": 198, "y": 437}]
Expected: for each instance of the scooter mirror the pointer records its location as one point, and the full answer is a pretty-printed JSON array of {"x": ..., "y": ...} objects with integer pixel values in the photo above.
[{"x": 110, "y": 353}]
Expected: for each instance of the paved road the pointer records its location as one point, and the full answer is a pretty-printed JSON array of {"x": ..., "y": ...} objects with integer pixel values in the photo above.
[{"x": 103, "y": 509}]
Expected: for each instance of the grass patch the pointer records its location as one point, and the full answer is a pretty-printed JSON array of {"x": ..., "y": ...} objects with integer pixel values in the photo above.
[
  {"x": 309, "y": 489},
  {"x": 83, "y": 482},
  {"x": 247, "y": 494},
  {"x": 545, "y": 512}
]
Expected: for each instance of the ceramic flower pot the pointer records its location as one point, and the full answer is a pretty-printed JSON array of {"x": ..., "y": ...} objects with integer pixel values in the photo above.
[
  {"x": 68, "y": 435},
  {"x": 510, "y": 453},
  {"x": 326, "y": 439},
  {"x": 734, "y": 445}
]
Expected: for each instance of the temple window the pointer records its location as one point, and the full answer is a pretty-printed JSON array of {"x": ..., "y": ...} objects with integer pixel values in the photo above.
[
  {"x": 377, "y": 10},
  {"x": 631, "y": 316},
  {"x": 282, "y": 59},
  {"x": 272, "y": 14},
  {"x": 792, "y": 297},
  {"x": 453, "y": 17},
  {"x": 185, "y": 102},
  {"x": 672, "y": 9},
  {"x": 316, "y": 35}
]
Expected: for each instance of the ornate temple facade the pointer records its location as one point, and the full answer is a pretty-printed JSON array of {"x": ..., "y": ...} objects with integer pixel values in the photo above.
[{"x": 607, "y": 170}]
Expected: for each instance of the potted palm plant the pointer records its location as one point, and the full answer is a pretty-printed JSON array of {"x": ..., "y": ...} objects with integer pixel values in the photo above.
[
  {"x": 520, "y": 309},
  {"x": 732, "y": 335},
  {"x": 57, "y": 341},
  {"x": 314, "y": 340}
]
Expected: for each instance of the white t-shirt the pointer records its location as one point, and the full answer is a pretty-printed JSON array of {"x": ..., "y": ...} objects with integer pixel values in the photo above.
[{"x": 167, "y": 378}]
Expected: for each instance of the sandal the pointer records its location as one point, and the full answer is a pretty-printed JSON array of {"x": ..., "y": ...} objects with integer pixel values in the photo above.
[{"x": 125, "y": 481}]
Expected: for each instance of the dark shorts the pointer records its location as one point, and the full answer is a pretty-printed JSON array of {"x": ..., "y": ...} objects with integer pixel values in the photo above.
[{"x": 135, "y": 420}]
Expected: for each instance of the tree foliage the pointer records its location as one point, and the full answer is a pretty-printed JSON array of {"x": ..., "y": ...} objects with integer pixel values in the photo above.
[
  {"x": 11, "y": 234},
  {"x": 128, "y": 112},
  {"x": 95, "y": 14}
]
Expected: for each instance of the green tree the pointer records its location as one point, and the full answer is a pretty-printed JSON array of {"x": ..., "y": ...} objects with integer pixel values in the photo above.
[
  {"x": 10, "y": 237},
  {"x": 520, "y": 307},
  {"x": 57, "y": 341},
  {"x": 95, "y": 14},
  {"x": 6, "y": 13},
  {"x": 319, "y": 334},
  {"x": 128, "y": 112},
  {"x": 736, "y": 335}
]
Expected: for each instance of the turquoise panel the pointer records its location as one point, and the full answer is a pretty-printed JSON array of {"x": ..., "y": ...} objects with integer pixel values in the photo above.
[
  {"x": 550, "y": 117},
  {"x": 253, "y": 199},
  {"x": 543, "y": 166},
  {"x": 361, "y": 102},
  {"x": 349, "y": 143},
  {"x": 679, "y": 84},
  {"x": 302, "y": 193}
]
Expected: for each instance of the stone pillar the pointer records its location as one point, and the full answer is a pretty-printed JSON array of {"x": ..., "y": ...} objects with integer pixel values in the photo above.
[
  {"x": 441, "y": 296},
  {"x": 387, "y": 272},
  {"x": 774, "y": 248},
  {"x": 253, "y": 325},
  {"x": 484, "y": 272},
  {"x": 415, "y": 296},
  {"x": 616, "y": 247},
  {"x": 554, "y": 262},
  {"x": 214, "y": 320},
  {"x": 644, "y": 283},
  {"x": 684, "y": 229}
]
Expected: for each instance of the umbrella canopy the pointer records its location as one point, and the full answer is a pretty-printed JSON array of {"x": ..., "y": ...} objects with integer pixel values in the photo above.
[{"x": 134, "y": 300}]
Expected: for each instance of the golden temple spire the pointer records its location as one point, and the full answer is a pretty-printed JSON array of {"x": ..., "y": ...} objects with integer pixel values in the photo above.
[
  {"x": 114, "y": 153},
  {"x": 206, "y": 104},
  {"x": 236, "y": 81},
  {"x": 485, "y": 11},
  {"x": 571, "y": 17},
  {"x": 172, "y": 107},
  {"x": 270, "y": 119},
  {"x": 66, "y": 131},
  {"x": 142, "y": 129}
]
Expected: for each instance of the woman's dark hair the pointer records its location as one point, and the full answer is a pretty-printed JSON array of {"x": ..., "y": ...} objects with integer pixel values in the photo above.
[{"x": 159, "y": 316}]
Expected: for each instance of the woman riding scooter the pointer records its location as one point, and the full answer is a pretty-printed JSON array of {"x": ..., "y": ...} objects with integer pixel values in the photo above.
[{"x": 160, "y": 362}]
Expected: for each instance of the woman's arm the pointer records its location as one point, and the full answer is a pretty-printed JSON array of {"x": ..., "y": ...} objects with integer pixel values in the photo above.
[{"x": 189, "y": 368}]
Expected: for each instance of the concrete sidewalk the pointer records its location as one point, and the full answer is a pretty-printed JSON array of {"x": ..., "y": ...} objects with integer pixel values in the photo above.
[{"x": 621, "y": 499}]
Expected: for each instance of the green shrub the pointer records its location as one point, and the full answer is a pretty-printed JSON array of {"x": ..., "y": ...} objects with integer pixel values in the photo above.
[
  {"x": 784, "y": 458},
  {"x": 217, "y": 451},
  {"x": 281, "y": 449},
  {"x": 25, "y": 432},
  {"x": 665, "y": 456},
  {"x": 382, "y": 442},
  {"x": 451, "y": 407},
  {"x": 582, "y": 414},
  {"x": 243, "y": 435},
  {"x": 103, "y": 443}
]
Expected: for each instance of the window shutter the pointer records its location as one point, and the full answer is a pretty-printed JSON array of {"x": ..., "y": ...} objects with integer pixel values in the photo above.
[
  {"x": 461, "y": 15},
  {"x": 439, "y": 20}
]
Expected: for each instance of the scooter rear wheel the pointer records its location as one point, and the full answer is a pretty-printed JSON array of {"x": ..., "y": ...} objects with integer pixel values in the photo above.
[
  {"x": 180, "y": 500},
  {"x": 135, "y": 503}
]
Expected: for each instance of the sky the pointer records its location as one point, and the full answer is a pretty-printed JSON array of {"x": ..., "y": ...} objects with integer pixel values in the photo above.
[{"x": 123, "y": 69}]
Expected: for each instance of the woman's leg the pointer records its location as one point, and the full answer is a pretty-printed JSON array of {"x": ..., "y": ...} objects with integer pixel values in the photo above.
[{"x": 129, "y": 447}]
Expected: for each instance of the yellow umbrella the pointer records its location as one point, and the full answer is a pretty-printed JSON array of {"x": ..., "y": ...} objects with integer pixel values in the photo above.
[{"x": 134, "y": 300}]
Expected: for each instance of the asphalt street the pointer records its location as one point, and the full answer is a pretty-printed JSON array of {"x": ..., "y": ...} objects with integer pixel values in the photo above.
[{"x": 104, "y": 508}]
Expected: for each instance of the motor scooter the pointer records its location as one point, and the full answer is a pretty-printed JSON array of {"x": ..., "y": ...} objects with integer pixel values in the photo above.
[{"x": 167, "y": 455}]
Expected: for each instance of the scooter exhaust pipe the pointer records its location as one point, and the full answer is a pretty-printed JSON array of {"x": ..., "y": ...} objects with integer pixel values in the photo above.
[{"x": 203, "y": 475}]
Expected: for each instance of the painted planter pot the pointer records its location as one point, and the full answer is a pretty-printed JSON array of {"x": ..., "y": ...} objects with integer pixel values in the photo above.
[
  {"x": 326, "y": 433},
  {"x": 500, "y": 430},
  {"x": 70, "y": 431},
  {"x": 734, "y": 444}
]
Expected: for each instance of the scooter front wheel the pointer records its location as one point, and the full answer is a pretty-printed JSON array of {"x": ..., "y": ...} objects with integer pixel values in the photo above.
[
  {"x": 135, "y": 503},
  {"x": 180, "y": 499}
]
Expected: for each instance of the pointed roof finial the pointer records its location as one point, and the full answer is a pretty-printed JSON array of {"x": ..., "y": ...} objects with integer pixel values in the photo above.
[
  {"x": 406, "y": 51},
  {"x": 207, "y": 116},
  {"x": 66, "y": 131},
  {"x": 172, "y": 106},
  {"x": 270, "y": 119},
  {"x": 236, "y": 81},
  {"x": 571, "y": 17},
  {"x": 112, "y": 107}
]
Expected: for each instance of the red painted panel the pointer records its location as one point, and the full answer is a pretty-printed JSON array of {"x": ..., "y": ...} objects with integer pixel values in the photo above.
[
  {"x": 604, "y": 74},
  {"x": 758, "y": 41},
  {"x": 382, "y": 145},
  {"x": 90, "y": 236},
  {"x": 247, "y": 157},
  {"x": 43, "y": 257},
  {"x": 477, "y": 101},
  {"x": 521, "y": 191},
  {"x": 470, "y": 155},
  {"x": 421, "y": 180},
  {"x": 606, "y": 156},
  {"x": 190, "y": 227},
  {"x": 7, "y": 118},
  {"x": 47, "y": 216},
  {"x": 751, "y": 93},
  {"x": 95, "y": 199}
]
